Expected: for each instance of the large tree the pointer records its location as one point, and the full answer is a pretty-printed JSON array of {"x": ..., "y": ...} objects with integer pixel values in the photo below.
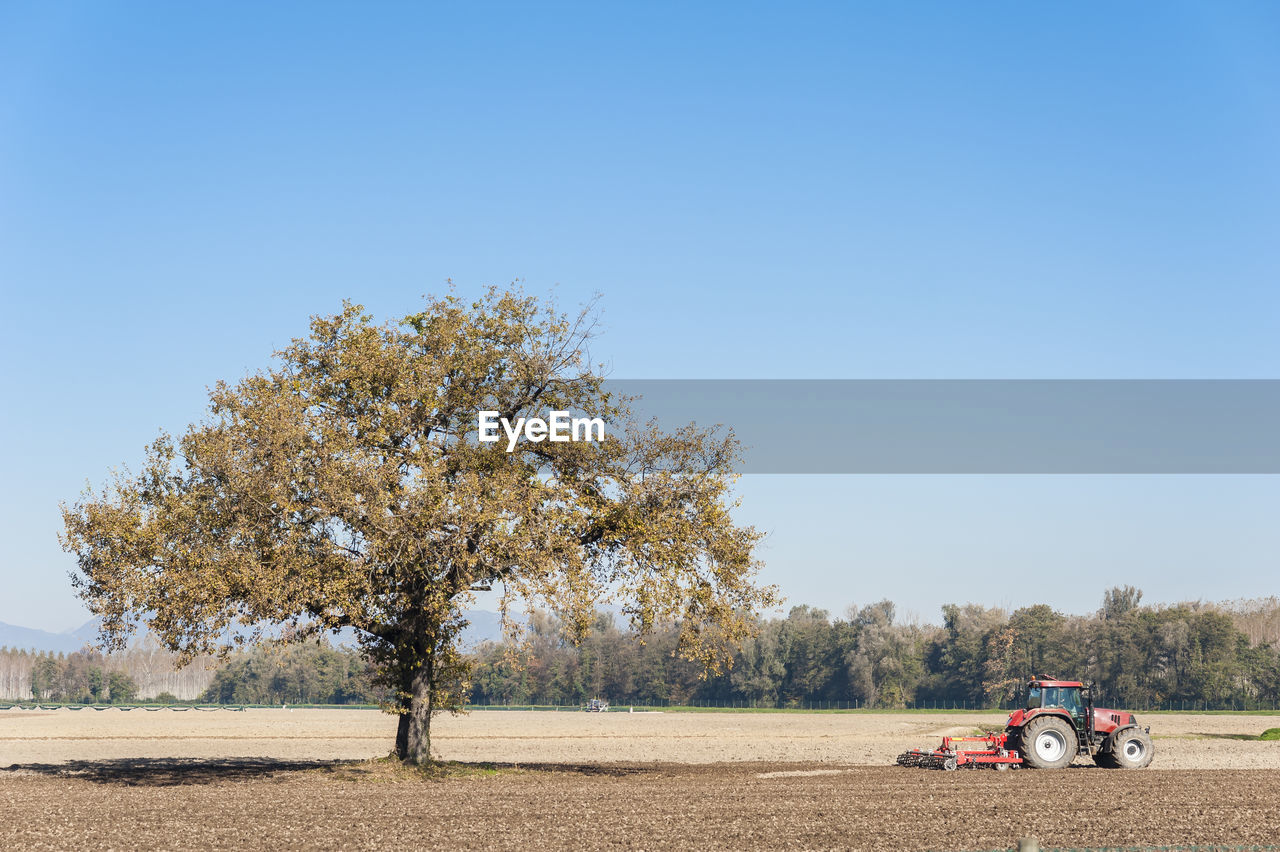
[{"x": 344, "y": 487}]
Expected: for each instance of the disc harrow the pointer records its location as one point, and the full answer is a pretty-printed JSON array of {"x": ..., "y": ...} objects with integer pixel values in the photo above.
[{"x": 986, "y": 752}]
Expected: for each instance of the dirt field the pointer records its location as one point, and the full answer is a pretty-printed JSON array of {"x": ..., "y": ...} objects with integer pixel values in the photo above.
[
  {"x": 647, "y": 806},
  {"x": 870, "y": 739},
  {"x": 268, "y": 778}
]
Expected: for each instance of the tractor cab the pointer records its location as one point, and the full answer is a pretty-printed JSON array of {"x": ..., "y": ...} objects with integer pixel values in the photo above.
[{"x": 1063, "y": 695}]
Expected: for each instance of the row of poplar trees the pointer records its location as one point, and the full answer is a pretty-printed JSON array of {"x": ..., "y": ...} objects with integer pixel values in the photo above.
[{"x": 82, "y": 677}]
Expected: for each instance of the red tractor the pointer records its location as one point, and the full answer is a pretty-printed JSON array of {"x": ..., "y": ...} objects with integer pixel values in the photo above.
[{"x": 1058, "y": 723}]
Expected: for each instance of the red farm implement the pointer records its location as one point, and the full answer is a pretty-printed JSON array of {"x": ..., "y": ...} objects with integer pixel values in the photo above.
[{"x": 965, "y": 753}]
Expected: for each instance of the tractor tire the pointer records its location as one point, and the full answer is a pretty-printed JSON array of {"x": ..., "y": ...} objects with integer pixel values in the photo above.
[
  {"x": 1132, "y": 749},
  {"x": 1049, "y": 742}
]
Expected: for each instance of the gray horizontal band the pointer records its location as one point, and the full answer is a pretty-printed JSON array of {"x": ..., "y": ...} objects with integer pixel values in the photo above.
[{"x": 980, "y": 426}]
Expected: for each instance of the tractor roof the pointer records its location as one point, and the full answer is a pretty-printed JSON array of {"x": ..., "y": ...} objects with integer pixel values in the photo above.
[{"x": 1056, "y": 683}]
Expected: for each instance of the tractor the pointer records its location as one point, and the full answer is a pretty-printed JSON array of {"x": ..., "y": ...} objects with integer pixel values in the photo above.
[{"x": 1057, "y": 723}]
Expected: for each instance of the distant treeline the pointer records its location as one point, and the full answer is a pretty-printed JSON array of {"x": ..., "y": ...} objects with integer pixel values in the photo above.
[
  {"x": 87, "y": 676},
  {"x": 295, "y": 674},
  {"x": 1191, "y": 654},
  {"x": 1214, "y": 655},
  {"x": 273, "y": 674}
]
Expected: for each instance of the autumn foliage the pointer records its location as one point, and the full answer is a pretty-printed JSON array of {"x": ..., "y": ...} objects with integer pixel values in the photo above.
[{"x": 344, "y": 488}]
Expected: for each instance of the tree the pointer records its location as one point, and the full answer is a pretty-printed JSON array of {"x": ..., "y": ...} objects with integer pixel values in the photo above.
[
  {"x": 760, "y": 669},
  {"x": 121, "y": 688},
  {"x": 809, "y": 653},
  {"x": 306, "y": 673},
  {"x": 884, "y": 659},
  {"x": 45, "y": 675},
  {"x": 956, "y": 657},
  {"x": 1119, "y": 600},
  {"x": 1031, "y": 644},
  {"x": 344, "y": 487}
]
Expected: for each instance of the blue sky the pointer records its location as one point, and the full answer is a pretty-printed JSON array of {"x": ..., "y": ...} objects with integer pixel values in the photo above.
[{"x": 810, "y": 191}]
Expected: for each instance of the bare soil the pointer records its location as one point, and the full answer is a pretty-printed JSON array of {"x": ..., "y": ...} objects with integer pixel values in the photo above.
[
  {"x": 265, "y": 804},
  {"x": 303, "y": 779},
  {"x": 1184, "y": 741}
]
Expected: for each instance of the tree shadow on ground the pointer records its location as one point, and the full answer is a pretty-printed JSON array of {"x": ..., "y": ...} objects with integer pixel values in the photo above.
[
  {"x": 168, "y": 772},
  {"x": 612, "y": 770},
  {"x": 173, "y": 772}
]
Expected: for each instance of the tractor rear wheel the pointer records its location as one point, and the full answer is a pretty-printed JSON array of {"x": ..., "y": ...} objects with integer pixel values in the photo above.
[
  {"x": 1132, "y": 749},
  {"x": 1049, "y": 742}
]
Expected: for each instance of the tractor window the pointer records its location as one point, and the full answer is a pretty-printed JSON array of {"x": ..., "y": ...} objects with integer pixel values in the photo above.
[
  {"x": 1033, "y": 698},
  {"x": 1066, "y": 697}
]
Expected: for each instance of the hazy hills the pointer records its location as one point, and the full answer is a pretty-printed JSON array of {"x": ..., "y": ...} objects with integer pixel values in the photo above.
[{"x": 484, "y": 626}]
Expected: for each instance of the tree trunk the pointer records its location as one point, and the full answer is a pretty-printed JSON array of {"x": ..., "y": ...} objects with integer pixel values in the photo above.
[{"x": 413, "y": 736}]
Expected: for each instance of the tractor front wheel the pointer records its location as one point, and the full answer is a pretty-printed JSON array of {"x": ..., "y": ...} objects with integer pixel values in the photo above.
[
  {"x": 1132, "y": 749},
  {"x": 1049, "y": 742}
]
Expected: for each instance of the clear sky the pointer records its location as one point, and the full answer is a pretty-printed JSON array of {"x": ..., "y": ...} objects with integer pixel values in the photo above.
[{"x": 844, "y": 190}]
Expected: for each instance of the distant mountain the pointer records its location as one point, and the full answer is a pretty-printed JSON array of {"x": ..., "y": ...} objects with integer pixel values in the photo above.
[
  {"x": 12, "y": 636},
  {"x": 484, "y": 626}
]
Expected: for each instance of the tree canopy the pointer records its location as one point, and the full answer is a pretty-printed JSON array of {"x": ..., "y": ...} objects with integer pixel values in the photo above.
[{"x": 344, "y": 487}]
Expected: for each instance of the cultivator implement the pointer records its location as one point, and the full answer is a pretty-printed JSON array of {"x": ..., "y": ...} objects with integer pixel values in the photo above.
[{"x": 985, "y": 752}]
